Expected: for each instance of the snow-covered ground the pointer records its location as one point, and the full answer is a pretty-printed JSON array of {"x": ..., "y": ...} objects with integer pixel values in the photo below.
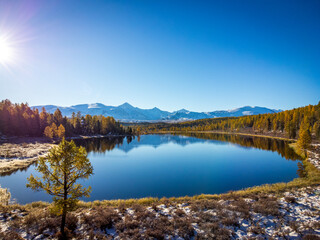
[{"x": 295, "y": 215}]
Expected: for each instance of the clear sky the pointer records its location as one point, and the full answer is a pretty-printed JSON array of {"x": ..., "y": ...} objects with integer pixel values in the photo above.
[{"x": 198, "y": 55}]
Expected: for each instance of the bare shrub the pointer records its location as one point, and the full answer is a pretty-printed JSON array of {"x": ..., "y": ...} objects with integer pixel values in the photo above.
[
  {"x": 144, "y": 216},
  {"x": 230, "y": 221},
  {"x": 267, "y": 206},
  {"x": 15, "y": 222},
  {"x": 10, "y": 235},
  {"x": 122, "y": 208},
  {"x": 180, "y": 213},
  {"x": 184, "y": 227},
  {"x": 205, "y": 217},
  {"x": 213, "y": 231},
  {"x": 33, "y": 219},
  {"x": 204, "y": 205},
  {"x": 195, "y": 207},
  {"x": 242, "y": 207},
  {"x": 127, "y": 224},
  {"x": 72, "y": 222},
  {"x": 158, "y": 227},
  {"x": 256, "y": 229},
  {"x": 138, "y": 208},
  {"x": 155, "y": 207},
  {"x": 310, "y": 237},
  {"x": 290, "y": 199},
  {"x": 294, "y": 226},
  {"x": 315, "y": 225},
  {"x": 51, "y": 222},
  {"x": 101, "y": 218},
  {"x": 68, "y": 235},
  {"x": 154, "y": 233},
  {"x": 130, "y": 234}
]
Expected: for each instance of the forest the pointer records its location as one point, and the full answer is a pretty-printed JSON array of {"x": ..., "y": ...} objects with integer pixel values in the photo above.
[
  {"x": 21, "y": 120},
  {"x": 302, "y": 121}
]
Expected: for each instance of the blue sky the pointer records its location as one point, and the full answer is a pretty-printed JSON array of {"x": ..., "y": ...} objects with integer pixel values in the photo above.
[{"x": 198, "y": 55}]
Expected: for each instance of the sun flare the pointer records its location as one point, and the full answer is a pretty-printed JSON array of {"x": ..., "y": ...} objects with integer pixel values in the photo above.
[{"x": 6, "y": 51}]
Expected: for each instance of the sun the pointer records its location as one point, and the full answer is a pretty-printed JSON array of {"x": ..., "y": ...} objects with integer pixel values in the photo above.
[{"x": 6, "y": 51}]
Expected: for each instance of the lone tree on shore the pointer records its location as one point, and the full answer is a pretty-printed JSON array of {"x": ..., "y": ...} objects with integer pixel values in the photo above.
[{"x": 60, "y": 169}]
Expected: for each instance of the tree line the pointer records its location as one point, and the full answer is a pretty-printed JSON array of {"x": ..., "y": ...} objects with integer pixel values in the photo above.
[
  {"x": 303, "y": 122},
  {"x": 21, "y": 120}
]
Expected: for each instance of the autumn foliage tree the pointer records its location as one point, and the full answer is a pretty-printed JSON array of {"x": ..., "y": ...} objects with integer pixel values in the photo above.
[
  {"x": 60, "y": 170},
  {"x": 316, "y": 129},
  {"x": 304, "y": 139},
  {"x": 286, "y": 123},
  {"x": 21, "y": 120},
  {"x": 61, "y": 131},
  {"x": 48, "y": 132}
]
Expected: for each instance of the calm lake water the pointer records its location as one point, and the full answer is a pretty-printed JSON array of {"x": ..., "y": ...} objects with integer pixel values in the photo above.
[{"x": 174, "y": 165}]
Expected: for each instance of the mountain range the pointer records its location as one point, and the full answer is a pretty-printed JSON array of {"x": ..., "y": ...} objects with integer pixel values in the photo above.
[{"x": 129, "y": 113}]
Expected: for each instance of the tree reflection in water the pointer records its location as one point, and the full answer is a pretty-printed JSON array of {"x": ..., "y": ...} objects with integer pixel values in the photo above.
[{"x": 275, "y": 145}]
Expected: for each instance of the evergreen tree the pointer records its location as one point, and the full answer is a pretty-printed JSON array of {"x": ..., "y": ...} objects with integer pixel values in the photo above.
[
  {"x": 43, "y": 119},
  {"x": 54, "y": 129},
  {"x": 316, "y": 129},
  {"x": 61, "y": 131},
  {"x": 60, "y": 170},
  {"x": 48, "y": 132},
  {"x": 304, "y": 138},
  {"x": 57, "y": 117}
]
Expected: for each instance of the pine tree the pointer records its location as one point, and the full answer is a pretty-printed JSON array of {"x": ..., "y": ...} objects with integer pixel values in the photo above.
[
  {"x": 61, "y": 131},
  {"x": 304, "y": 138},
  {"x": 43, "y": 119},
  {"x": 54, "y": 129},
  {"x": 57, "y": 117},
  {"x": 60, "y": 170},
  {"x": 48, "y": 132},
  {"x": 316, "y": 129}
]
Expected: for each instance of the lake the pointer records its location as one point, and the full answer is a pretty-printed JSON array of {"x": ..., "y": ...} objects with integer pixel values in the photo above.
[{"x": 174, "y": 165}]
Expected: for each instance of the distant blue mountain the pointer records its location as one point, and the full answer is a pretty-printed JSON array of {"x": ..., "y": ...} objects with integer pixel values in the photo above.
[{"x": 127, "y": 112}]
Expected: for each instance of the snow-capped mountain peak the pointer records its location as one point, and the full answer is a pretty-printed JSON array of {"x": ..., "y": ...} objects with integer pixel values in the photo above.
[
  {"x": 126, "y": 105},
  {"x": 127, "y": 112},
  {"x": 182, "y": 111}
]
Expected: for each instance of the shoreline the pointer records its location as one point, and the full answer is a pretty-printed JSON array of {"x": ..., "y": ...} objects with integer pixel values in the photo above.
[
  {"x": 14, "y": 164},
  {"x": 17, "y": 156},
  {"x": 279, "y": 210},
  {"x": 18, "y": 153},
  {"x": 312, "y": 162}
]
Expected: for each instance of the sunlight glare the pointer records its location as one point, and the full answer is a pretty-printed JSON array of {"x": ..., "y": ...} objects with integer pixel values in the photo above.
[{"x": 6, "y": 51}]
